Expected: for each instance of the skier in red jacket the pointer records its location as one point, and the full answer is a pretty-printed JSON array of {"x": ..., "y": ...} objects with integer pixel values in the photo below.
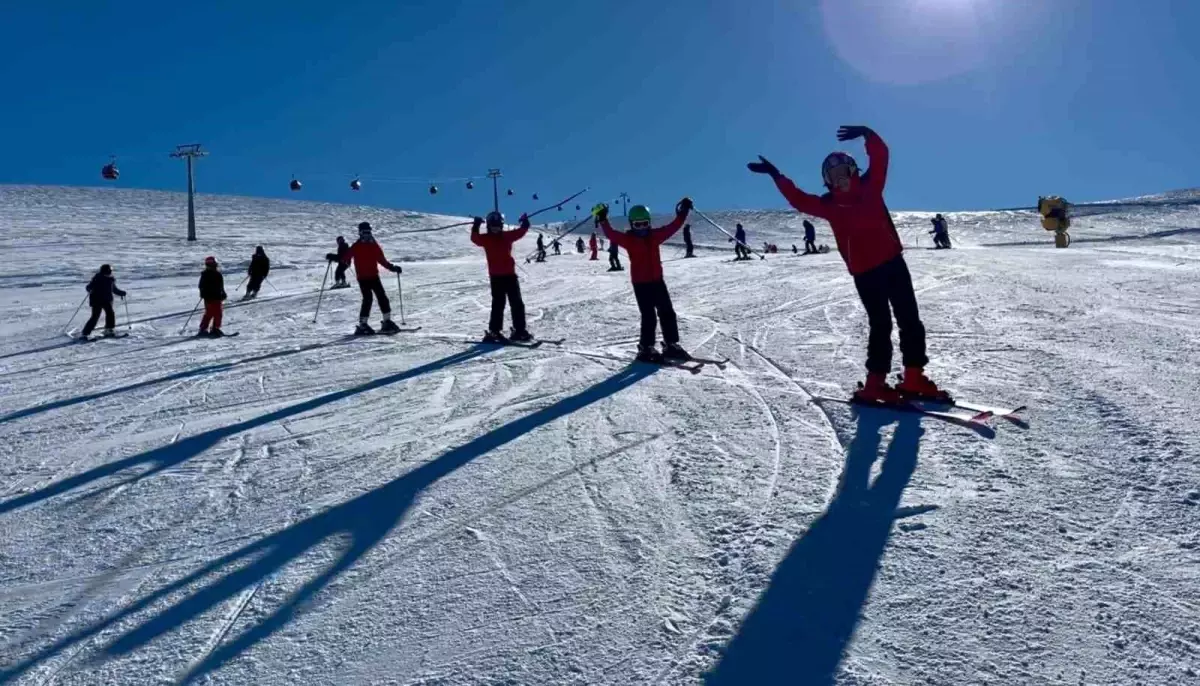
[
  {"x": 367, "y": 256},
  {"x": 502, "y": 273},
  {"x": 867, "y": 239},
  {"x": 594, "y": 247},
  {"x": 645, "y": 271}
]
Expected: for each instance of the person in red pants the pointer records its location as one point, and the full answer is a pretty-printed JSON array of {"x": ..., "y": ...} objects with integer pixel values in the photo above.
[
  {"x": 212, "y": 292},
  {"x": 867, "y": 240}
]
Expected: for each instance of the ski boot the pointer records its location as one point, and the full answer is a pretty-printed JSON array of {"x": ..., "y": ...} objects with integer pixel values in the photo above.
[
  {"x": 647, "y": 353},
  {"x": 522, "y": 336},
  {"x": 108, "y": 333},
  {"x": 202, "y": 333},
  {"x": 674, "y": 351},
  {"x": 363, "y": 329},
  {"x": 216, "y": 333},
  {"x": 914, "y": 384},
  {"x": 877, "y": 392},
  {"x": 388, "y": 326},
  {"x": 494, "y": 337}
]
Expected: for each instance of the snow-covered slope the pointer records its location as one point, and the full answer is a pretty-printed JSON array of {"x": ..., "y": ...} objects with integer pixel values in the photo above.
[{"x": 294, "y": 506}]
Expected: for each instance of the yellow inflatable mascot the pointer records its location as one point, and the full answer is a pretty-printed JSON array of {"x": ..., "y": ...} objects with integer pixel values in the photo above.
[{"x": 1054, "y": 211}]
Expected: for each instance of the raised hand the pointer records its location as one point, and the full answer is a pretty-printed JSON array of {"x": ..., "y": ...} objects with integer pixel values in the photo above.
[
  {"x": 849, "y": 133},
  {"x": 524, "y": 221},
  {"x": 684, "y": 206},
  {"x": 763, "y": 166}
]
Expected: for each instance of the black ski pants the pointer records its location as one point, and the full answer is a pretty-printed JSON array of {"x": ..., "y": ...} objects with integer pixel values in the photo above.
[
  {"x": 654, "y": 302},
  {"x": 614, "y": 261},
  {"x": 369, "y": 287},
  {"x": 887, "y": 290},
  {"x": 339, "y": 274},
  {"x": 810, "y": 246},
  {"x": 255, "y": 283},
  {"x": 688, "y": 245},
  {"x": 506, "y": 288},
  {"x": 110, "y": 318}
]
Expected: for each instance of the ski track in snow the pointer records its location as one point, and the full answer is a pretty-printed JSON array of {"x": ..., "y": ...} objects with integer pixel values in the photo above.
[{"x": 297, "y": 505}]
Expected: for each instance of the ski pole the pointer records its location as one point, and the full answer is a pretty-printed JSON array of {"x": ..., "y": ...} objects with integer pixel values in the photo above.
[
  {"x": 128, "y": 323},
  {"x": 402, "y": 318},
  {"x": 273, "y": 285},
  {"x": 77, "y": 309},
  {"x": 322, "y": 293},
  {"x": 239, "y": 286},
  {"x": 735, "y": 240},
  {"x": 189, "y": 319}
]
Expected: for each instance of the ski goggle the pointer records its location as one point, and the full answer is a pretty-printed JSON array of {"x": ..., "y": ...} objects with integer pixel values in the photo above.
[
  {"x": 639, "y": 225},
  {"x": 839, "y": 173}
]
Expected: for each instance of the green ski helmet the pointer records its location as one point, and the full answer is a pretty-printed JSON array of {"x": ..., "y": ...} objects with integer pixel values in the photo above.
[{"x": 639, "y": 218}]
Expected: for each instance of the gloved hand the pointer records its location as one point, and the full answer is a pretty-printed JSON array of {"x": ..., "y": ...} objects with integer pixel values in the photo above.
[
  {"x": 763, "y": 166},
  {"x": 396, "y": 269},
  {"x": 330, "y": 257},
  {"x": 684, "y": 206},
  {"x": 849, "y": 133},
  {"x": 601, "y": 213},
  {"x": 524, "y": 221},
  {"x": 476, "y": 223}
]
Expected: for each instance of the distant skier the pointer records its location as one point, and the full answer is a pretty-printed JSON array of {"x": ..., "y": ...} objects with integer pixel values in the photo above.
[
  {"x": 260, "y": 266},
  {"x": 614, "y": 257},
  {"x": 502, "y": 275},
  {"x": 579, "y": 245},
  {"x": 342, "y": 258},
  {"x": 541, "y": 249},
  {"x": 645, "y": 271},
  {"x": 941, "y": 232},
  {"x": 101, "y": 290},
  {"x": 871, "y": 249},
  {"x": 592, "y": 246},
  {"x": 741, "y": 252},
  {"x": 810, "y": 238},
  {"x": 212, "y": 292},
  {"x": 557, "y": 246},
  {"x": 687, "y": 241},
  {"x": 795, "y": 250},
  {"x": 368, "y": 256}
]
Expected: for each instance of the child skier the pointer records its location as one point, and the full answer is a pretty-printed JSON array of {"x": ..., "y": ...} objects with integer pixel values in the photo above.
[
  {"x": 368, "y": 256},
  {"x": 541, "y": 249},
  {"x": 941, "y": 232},
  {"x": 614, "y": 257},
  {"x": 100, "y": 290},
  {"x": 870, "y": 246},
  {"x": 593, "y": 247},
  {"x": 212, "y": 292},
  {"x": 502, "y": 275},
  {"x": 645, "y": 271},
  {"x": 579, "y": 245},
  {"x": 260, "y": 266},
  {"x": 810, "y": 238},
  {"x": 342, "y": 258},
  {"x": 687, "y": 240},
  {"x": 740, "y": 250}
]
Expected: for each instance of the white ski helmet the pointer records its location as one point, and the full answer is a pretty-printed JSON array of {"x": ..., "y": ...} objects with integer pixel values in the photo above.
[
  {"x": 495, "y": 221},
  {"x": 834, "y": 160}
]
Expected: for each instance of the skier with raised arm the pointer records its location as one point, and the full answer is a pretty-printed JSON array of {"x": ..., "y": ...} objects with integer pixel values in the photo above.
[
  {"x": 101, "y": 290},
  {"x": 502, "y": 276},
  {"x": 870, "y": 246},
  {"x": 367, "y": 256},
  {"x": 641, "y": 244}
]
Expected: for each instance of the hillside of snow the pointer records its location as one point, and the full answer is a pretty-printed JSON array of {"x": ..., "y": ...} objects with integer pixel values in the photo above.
[{"x": 298, "y": 506}]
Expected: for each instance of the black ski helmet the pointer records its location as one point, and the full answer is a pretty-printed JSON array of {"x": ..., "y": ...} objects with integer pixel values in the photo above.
[
  {"x": 495, "y": 221},
  {"x": 364, "y": 227},
  {"x": 106, "y": 269}
]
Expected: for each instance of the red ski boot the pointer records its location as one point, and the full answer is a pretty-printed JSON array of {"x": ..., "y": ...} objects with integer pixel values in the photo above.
[
  {"x": 917, "y": 386},
  {"x": 877, "y": 392}
]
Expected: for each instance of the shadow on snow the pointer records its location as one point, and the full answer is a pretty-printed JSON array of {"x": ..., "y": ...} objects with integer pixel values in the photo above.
[
  {"x": 362, "y": 522},
  {"x": 806, "y": 617}
]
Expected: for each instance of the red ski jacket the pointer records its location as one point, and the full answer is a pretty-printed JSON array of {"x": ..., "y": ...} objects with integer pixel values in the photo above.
[
  {"x": 498, "y": 248},
  {"x": 862, "y": 225},
  {"x": 645, "y": 264},
  {"x": 367, "y": 256}
]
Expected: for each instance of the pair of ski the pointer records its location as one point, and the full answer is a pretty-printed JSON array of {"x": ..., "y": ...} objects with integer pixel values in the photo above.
[
  {"x": 956, "y": 411},
  {"x": 357, "y": 334},
  {"x": 535, "y": 343},
  {"x": 91, "y": 339}
]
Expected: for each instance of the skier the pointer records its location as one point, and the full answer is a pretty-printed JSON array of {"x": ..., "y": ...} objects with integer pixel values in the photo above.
[
  {"x": 614, "y": 257},
  {"x": 557, "y": 247},
  {"x": 870, "y": 246},
  {"x": 541, "y": 250},
  {"x": 579, "y": 245},
  {"x": 100, "y": 290},
  {"x": 592, "y": 247},
  {"x": 687, "y": 240},
  {"x": 795, "y": 251},
  {"x": 260, "y": 266},
  {"x": 342, "y": 258},
  {"x": 810, "y": 238},
  {"x": 645, "y": 271},
  {"x": 740, "y": 250},
  {"x": 502, "y": 275},
  {"x": 368, "y": 256},
  {"x": 941, "y": 232},
  {"x": 212, "y": 292}
]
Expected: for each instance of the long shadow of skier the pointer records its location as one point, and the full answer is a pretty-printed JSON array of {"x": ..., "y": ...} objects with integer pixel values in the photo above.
[
  {"x": 170, "y": 455},
  {"x": 362, "y": 522},
  {"x": 802, "y": 623},
  {"x": 177, "y": 376}
]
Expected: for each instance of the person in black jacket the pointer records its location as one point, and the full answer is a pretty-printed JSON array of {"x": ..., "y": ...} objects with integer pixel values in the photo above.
[
  {"x": 342, "y": 258},
  {"x": 687, "y": 240},
  {"x": 212, "y": 292},
  {"x": 260, "y": 266},
  {"x": 810, "y": 238},
  {"x": 101, "y": 290}
]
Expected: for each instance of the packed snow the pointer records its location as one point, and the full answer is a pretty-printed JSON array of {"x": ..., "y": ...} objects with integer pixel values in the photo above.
[{"x": 298, "y": 506}]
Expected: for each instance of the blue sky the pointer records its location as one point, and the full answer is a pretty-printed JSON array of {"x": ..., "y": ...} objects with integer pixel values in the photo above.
[{"x": 985, "y": 103}]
